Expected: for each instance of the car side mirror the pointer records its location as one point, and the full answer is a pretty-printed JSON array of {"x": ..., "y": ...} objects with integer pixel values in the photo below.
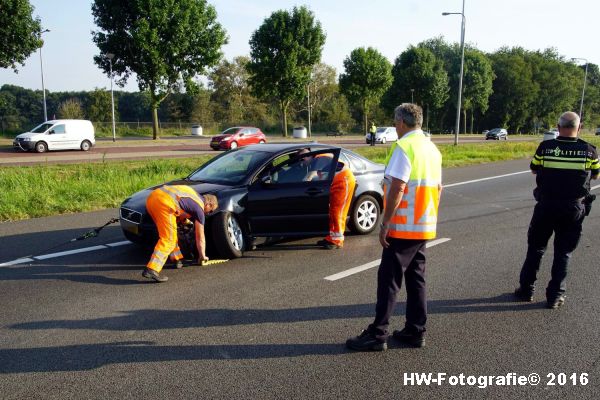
[
  {"x": 51, "y": 132},
  {"x": 266, "y": 180}
]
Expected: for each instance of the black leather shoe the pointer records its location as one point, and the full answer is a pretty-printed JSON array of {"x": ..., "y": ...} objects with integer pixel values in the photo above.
[
  {"x": 366, "y": 341},
  {"x": 151, "y": 274},
  {"x": 328, "y": 245},
  {"x": 556, "y": 302},
  {"x": 415, "y": 339},
  {"x": 523, "y": 294}
]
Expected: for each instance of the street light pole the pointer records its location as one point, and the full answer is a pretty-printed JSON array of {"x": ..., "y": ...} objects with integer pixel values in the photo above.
[
  {"x": 462, "y": 62},
  {"x": 110, "y": 56},
  {"x": 412, "y": 98},
  {"x": 582, "y": 90},
  {"x": 308, "y": 105},
  {"x": 42, "y": 70}
]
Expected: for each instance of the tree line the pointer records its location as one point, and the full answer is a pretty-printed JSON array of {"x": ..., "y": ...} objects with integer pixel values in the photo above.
[{"x": 283, "y": 78}]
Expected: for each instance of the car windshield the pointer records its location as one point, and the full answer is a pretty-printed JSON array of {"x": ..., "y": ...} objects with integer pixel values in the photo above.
[
  {"x": 229, "y": 131},
  {"x": 231, "y": 168},
  {"x": 41, "y": 128},
  {"x": 379, "y": 130}
]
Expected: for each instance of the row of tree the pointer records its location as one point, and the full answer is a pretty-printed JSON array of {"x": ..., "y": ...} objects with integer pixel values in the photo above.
[{"x": 167, "y": 46}]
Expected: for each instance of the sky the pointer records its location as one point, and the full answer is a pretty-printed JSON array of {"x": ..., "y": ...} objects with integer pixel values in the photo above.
[{"x": 390, "y": 26}]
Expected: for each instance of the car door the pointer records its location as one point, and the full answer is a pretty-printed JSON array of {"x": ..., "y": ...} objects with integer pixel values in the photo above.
[
  {"x": 57, "y": 137},
  {"x": 282, "y": 203}
]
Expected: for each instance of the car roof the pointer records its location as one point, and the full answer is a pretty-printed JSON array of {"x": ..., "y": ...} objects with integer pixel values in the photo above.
[{"x": 277, "y": 147}]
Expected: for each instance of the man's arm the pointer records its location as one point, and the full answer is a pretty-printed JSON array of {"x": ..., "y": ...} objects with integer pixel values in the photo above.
[
  {"x": 392, "y": 201},
  {"x": 200, "y": 242}
]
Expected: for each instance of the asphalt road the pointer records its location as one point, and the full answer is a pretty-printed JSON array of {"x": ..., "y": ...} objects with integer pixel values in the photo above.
[{"x": 270, "y": 326}]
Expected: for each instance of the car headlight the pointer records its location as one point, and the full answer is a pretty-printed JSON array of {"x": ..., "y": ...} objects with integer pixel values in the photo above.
[{"x": 26, "y": 139}]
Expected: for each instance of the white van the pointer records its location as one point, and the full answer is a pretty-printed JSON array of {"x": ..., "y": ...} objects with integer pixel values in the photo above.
[{"x": 59, "y": 134}]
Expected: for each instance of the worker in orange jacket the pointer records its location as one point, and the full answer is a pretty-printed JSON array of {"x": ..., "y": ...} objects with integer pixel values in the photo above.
[
  {"x": 166, "y": 205},
  {"x": 340, "y": 197}
]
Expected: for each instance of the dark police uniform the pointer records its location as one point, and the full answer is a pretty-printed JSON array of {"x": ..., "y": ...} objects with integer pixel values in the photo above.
[{"x": 563, "y": 168}]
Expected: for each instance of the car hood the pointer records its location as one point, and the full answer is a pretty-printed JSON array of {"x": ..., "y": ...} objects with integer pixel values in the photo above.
[
  {"x": 26, "y": 135},
  {"x": 221, "y": 137},
  {"x": 137, "y": 201}
]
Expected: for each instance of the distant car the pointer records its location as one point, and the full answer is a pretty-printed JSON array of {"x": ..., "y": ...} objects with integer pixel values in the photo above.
[
  {"x": 238, "y": 136},
  {"x": 383, "y": 135},
  {"x": 551, "y": 134},
  {"x": 261, "y": 194},
  {"x": 59, "y": 134},
  {"x": 597, "y": 131},
  {"x": 497, "y": 134}
]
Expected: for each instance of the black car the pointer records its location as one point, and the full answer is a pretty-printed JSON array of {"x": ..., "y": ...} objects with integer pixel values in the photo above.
[
  {"x": 497, "y": 134},
  {"x": 262, "y": 193}
]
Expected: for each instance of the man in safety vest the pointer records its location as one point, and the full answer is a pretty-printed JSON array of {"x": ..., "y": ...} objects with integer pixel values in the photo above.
[
  {"x": 373, "y": 132},
  {"x": 166, "y": 205},
  {"x": 412, "y": 190},
  {"x": 340, "y": 197}
]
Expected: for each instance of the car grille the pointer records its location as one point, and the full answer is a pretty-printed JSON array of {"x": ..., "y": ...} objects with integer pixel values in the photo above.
[{"x": 131, "y": 215}]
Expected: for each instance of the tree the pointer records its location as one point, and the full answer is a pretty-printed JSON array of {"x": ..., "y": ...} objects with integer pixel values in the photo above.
[
  {"x": 163, "y": 42},
  {"x": 231, "y": 90},
  {"x": 20, "y": 33},
  {"x": 368, "y": 75},
  {"x": 283, "y": 51},
  {"x": 70, "y": 109},
  {"x": 477, "y": 84},
  {"x": 418, "y": 73},
  {"x": 99, "y": 106}
]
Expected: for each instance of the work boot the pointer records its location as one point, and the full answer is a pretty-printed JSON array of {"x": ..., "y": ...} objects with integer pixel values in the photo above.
[
  {"x": 366, "y": 341},
  {"x": 522, "y": 294},
  {"x": 151, "y": 274},
  {"x": 328, "y": 245},
  {"x": 555, "y": 302},
  {"x": 414, "y": 339}
]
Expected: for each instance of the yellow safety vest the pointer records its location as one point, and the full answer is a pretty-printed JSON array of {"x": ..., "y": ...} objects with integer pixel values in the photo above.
[
  {"x": 179, "y": 191},
  {"x": 416, "y": 216}
]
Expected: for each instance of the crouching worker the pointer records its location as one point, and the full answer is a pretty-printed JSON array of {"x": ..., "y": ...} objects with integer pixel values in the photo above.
[
  {"x": 165, "y": 205},
  {"x": 340, "y": 197}
]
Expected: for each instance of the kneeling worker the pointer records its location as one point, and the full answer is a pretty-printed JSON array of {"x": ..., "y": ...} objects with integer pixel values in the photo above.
[
  {"x": 165, "y": 205},
  {"x": 340, "y": 197}
]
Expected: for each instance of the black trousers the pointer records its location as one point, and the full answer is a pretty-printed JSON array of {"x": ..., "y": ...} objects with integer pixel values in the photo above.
[
  {"x": 373, "y": 135},
  {"x": 565, "y": 220},
  {"x": 403, "y": 258}
]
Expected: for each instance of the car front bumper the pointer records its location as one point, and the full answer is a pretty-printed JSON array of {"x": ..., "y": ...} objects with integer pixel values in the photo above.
[{"x": 24, "y": 146}]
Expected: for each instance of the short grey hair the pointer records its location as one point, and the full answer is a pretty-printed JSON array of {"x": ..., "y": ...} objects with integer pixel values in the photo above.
[
  {"x": 411, "y": 114},
  {"x": 569, "y": 119}
]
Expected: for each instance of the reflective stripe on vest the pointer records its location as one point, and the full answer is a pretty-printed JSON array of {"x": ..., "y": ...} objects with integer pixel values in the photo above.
[
  {"x": 416, "y": 216},
  {"x": 180, "y": 191}
]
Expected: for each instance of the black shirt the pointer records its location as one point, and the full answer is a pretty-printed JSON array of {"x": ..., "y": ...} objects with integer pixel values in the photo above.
[{"x": 563, "y": 168}]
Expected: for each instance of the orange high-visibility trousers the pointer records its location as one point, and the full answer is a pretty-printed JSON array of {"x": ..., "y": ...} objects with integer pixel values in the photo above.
[
  {"x": 162, "y": 209},
  {"x": 340, "y": 197}
]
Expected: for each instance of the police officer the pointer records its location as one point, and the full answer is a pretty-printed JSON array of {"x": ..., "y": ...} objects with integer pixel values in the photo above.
[
  {"x": 373, "y": 132},
  {"x": 413, "y": 186},
  {"x": 563, "y": 168}
]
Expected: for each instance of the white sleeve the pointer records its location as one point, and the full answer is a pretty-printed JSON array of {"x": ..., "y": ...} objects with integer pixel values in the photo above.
[{"x": 399, "y": 166}]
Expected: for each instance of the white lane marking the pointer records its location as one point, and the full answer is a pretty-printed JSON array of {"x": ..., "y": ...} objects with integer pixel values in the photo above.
[
  {"x": 18, "y": 261},
  {"x": 484, "y": 179},
  {"x": 594, "y": 187},
  {"x": 64, "y": 253},
  {"x": 375, "y": 263}
]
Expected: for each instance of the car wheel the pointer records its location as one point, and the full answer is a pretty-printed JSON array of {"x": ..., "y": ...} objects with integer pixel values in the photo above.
[
  {"x": 86, "y": 145},
  {"x": 228, "y": 236},
  {"x": 233, "y": 145},
  {"x": 261, "y": 142},
  {"x": 41, "y": 147},
  {"x": 365, "y": 215}
]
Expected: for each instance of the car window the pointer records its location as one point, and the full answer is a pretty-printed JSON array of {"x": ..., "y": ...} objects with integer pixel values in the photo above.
[
  {"x": 42, "y": 128},
  {"x": 229, "y": 131},
  {"x": 301, "y": 168},
  {"x": 230, "y": 168},
  {"x": 58, "y": 128}
]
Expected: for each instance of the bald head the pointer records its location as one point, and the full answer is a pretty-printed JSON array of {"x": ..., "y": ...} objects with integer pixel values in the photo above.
[{"x": 568, "y": 124}]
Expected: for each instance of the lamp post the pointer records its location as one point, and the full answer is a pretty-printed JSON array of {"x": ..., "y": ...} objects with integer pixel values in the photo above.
[
  {"x": 412, "y": 98},
  {"x": 42, "y": 70},
  {"x": 308, "y": 106},
  {"x": 462, "y": 61},
  {"x": 582, "y": 90},
  {"x": 110, "y": 56}
]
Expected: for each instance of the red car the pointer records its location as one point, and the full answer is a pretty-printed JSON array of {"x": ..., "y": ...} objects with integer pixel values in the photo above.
[{"x": 232, "y": 138}]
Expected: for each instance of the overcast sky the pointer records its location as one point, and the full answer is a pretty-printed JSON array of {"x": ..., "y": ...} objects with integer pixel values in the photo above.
[{"x": 390, "y": 26}]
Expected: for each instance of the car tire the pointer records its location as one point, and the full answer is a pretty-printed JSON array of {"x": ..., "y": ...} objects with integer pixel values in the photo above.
[
  {"x": 365, "y": 214},
  {"x": 228, "y": 236},
  {"x": 86, "y": 145},
  {"x": 41, "y": 147},
  {"x": 233, "y": 145}
]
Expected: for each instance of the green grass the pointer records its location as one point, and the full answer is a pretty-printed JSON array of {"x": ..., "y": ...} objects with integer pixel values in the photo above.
[{"x": 44, "y": 190}]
